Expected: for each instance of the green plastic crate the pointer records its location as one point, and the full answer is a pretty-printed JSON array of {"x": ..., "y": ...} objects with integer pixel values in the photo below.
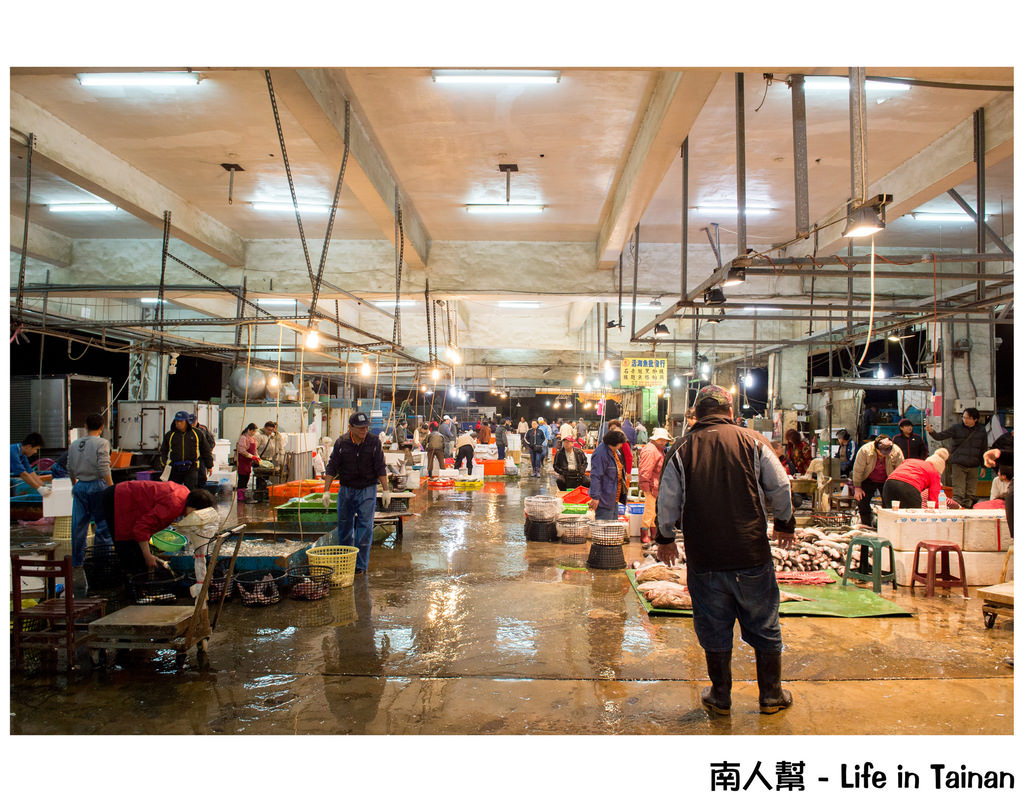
[
  {"x": 575, "y": 509},
  {"x": 297, "y": 509}
]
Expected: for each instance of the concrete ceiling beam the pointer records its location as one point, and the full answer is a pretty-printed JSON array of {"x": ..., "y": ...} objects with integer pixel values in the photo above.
[
  {"x": 675, "y": 101},
  {"x": 317, "y": 98},
  {"x": 941, "y": 166},
  {"x": 43, "y": 244},
  {"x": 68, "y": 153}
]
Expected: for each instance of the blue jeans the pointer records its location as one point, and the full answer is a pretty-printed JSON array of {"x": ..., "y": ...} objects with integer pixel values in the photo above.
[
  {"x": 86, "y": 506},
  {"x": 606, "y": 513},
  {"x": 749, "y": 594},
  {"x": 536, "y": 460},
  {"x": 355, "y": 520},
  {"x": 501, "y": 452}
]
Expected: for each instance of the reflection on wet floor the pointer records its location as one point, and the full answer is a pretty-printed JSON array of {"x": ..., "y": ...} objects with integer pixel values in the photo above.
[{"x": 461, "y": 626}]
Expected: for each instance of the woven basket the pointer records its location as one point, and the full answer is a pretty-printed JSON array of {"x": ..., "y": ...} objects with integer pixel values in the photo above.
[
  {"x": 608, "y": 533},
  {"x": 540, "y": 531},
  {"x": 573, "y": 528},
  {"x": 341, "y": 558}
]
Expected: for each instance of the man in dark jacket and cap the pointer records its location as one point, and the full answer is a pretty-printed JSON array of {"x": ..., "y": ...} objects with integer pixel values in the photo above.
[
  {"x": 716, "y": 483},
  {"x": 186, "y": 450},
  {"x": 969, "y": 443},
  {"x": 912, "y": 445}
]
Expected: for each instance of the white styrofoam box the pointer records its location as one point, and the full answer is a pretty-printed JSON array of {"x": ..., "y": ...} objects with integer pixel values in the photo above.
[
  {"x": 514, "y": 442},
  {"x": 231, "y": 476},
  {"x": 298, "y": 442},
  {"x": 983, "y": 567},
  {"x": 57, "y": 505},
  {"x": 448, "y": 473},
  {"x": 986, "y": 534},
  {"x": 221, "y": 450},
  {"x": 906, "y": 528}
]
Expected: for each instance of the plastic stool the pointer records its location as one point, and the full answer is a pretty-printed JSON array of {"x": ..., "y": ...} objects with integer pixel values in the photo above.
[
  {"x": 942, "y": 578},
  {"x": 877, "y": 575}
]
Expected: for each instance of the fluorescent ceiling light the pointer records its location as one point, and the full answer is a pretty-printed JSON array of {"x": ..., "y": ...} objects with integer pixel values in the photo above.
[
  {"x": 496, "y": 76},
  {"x": 720, "y": 208},
  {"x": 943, "y": 217},
  {"x": 306, "y": 208},
  {"x": 504, "y": 208},
  {"x": 138, "y": 78},
  {"x": 385, "y": 304},
  {"x": 151, "y": 301},
  {"x": 276, "y": 301},
  {"x": 81, "y": 207},
  {"x": 519, "y": 304},
  {"x": 836, "y": 83},
  {"x": 762, "y": 309}
]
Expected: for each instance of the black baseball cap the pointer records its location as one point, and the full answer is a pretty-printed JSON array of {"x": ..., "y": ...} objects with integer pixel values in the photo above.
[{"x": 358, "y": 419}]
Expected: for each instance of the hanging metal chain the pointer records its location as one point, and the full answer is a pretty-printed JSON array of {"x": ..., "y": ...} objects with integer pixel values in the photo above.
[
  {"x": 396, "y": 335},
  {"x": 337, "y": 326},
  {"x": 291, "y": 183},
  {"x": 436, "y": 343},
  {"x": 330, "y": 221},
  {"x": 24, "y": 237},
  {"x": 448, "y": 321},
  {"x": 427, "y": 306}
]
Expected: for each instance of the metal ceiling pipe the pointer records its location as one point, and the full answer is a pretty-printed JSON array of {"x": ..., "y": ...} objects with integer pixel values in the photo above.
[
  {"x": 963, "y": 204},
  {"x": 858, "y": 136},
  {"x": 741, "y": 169},
  {"x": 684, "y": 223},
  {"x": 801, "y": 193},
  {"x": 979, "y": 163}
]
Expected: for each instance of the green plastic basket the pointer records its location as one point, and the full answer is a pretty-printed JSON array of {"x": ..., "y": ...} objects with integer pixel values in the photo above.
[
  {"x": 168, "y": 541},
  {"x": 575, "y": 509}
]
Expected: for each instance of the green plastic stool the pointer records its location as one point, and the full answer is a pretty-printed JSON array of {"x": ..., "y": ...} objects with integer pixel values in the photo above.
[{"x": 877, "y": 575}]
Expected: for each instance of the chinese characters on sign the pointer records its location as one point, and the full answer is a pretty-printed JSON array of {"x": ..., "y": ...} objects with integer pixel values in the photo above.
[
  {"x": 726, "y": 776},
  {"x": 643, "y": 372}
]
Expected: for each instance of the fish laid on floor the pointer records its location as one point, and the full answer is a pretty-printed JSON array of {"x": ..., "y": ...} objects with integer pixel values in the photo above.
[
  {"x": 785, "y": 596},
  {"x": 666, "y": 594},
  {"x": 660, "y": 571}
]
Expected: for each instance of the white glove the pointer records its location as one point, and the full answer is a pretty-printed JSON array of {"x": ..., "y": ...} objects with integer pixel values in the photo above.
[
  {"x": 327, "y": 499},
  {"x": 386, "y": 499},
  {"x": 45, "y": 490},
  {"x": 165, "y": 475}
]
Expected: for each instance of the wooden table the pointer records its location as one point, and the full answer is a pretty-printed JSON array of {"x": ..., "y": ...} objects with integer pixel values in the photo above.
[{"x": 998, "y": 601}]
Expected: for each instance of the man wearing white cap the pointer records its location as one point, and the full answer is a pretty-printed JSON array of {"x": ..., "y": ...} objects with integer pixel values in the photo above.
[{"x": 652, "y": 457}]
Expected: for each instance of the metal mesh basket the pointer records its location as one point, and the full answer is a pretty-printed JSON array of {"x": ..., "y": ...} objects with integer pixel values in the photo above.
[
  {"x": 606, "y": 557},
  {"x": 834, "y": 518},
  {"x": 543, "y": 508},
  {"x": 573, "y": 528},
  {"x": 102, "y": 568},
  {"x": 260, "y": 588},
  {"x": 309, "y": 582},
  {"x": 608, "y": 533},
  {"x": 219, "y": 584},
  {"x": 158, "y": 586},
  {"x": 540, "y": 531}
]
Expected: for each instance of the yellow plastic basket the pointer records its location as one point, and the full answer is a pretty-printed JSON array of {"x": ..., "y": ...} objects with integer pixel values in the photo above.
[
  {"x": 341, "y": 558},
  {"x": 62, "y": 528}
]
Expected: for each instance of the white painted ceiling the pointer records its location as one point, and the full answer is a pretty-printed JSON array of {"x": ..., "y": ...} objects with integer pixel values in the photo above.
[{"x": 442, "y": 145}]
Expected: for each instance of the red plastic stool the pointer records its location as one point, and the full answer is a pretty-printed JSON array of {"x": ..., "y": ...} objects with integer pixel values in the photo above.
[{"x": 943, "y": 578}]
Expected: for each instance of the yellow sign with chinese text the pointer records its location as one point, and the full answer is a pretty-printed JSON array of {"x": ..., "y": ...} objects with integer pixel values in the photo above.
[{"x": 643, "y": 371}]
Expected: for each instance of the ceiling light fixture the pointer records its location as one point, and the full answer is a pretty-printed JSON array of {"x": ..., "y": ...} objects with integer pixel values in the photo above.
[
  {"x": 138, "y": 78},
  {"x": 151, "y": 301},
  {"x": 304, "y": 208},
  {"x": 676, "y": 381},
  {"x": 435, "y": 374},
  {"x": 62, "y": 208},
  {"x": 386, "y": 304},
  {"x": 312, "y": 340},
  {"x": 276, "y": 301},
  {"x": 519, "y": 304},
  {"x": 504, "y": 208},
  {"x": 736, "y": 275},
  {"x": 273, "y": 381},
  {"x": 944, "y": 217},
  {"x": 714, "y": 296},
  {"x": 661, "y": 330},
  {"x": 867, "y": 218},
  {"x": 579, "y": 378},
  {"x": 496, "y": 76}
]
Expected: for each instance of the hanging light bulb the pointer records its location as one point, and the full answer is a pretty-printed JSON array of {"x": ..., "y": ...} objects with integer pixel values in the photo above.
[
  {"x": 273, "y": 381},
  {"x": 676, "y": 381},
  {"x": 366, "y": 369},
  {"x": 880, "y": 372},
  {"x": 607, "y": 364},
  {"x": 733, "y": 389},
  {"x": 423, "y": 388},
  {"x": 748, "y": 380},
  {"x": 555, "y": 405},
  {"x": 586, "y": 405},
  {"x": 435, "y": 374},
  {"x": 312, "y": 340},
  {"x": 579, "y": 378},
  {"x": 661, "y": 391}
]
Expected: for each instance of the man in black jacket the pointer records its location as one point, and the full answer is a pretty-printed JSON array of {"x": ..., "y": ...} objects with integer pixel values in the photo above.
[
  {"x": 186, "y": 450},
  {"x": 970, "y": 440},
  {"x": 912, "y": 445},
  {"x": 571, "y": 466},
  {"x": 714, "y": 483}
]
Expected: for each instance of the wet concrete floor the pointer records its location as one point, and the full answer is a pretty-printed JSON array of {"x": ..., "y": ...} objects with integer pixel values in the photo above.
[{"x": 463, "y": 627}]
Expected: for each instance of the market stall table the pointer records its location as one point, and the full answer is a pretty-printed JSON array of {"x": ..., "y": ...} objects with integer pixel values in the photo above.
[{"x": 998, "y": 601}]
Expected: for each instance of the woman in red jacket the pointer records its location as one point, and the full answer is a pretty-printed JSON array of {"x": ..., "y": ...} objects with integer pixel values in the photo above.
[
  {"x": 906, "y": 483},
  {"x": 135, "y": 511},
  {"x": 798, "y": 452}
]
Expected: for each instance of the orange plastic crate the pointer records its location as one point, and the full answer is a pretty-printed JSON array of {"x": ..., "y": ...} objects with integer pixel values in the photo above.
[
  {"x": 120, "y": 459},
  {"x": 494, "y": 467}
]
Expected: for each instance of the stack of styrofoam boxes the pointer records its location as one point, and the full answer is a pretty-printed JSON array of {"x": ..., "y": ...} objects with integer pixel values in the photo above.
[
  {"x": 221, "y": 450},
  {"x": 981, "y": 534},
  {"x": 299, "y": 442},
  {"x": 58, "y": 503}
]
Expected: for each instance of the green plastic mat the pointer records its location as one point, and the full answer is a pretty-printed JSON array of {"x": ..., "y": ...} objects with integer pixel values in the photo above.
[{"x": 830, "y": 601}]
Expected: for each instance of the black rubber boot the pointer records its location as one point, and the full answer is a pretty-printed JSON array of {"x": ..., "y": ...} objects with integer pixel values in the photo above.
[
  {"x": 718, "y": 698},
  {"x": 771, "y": 695}
]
